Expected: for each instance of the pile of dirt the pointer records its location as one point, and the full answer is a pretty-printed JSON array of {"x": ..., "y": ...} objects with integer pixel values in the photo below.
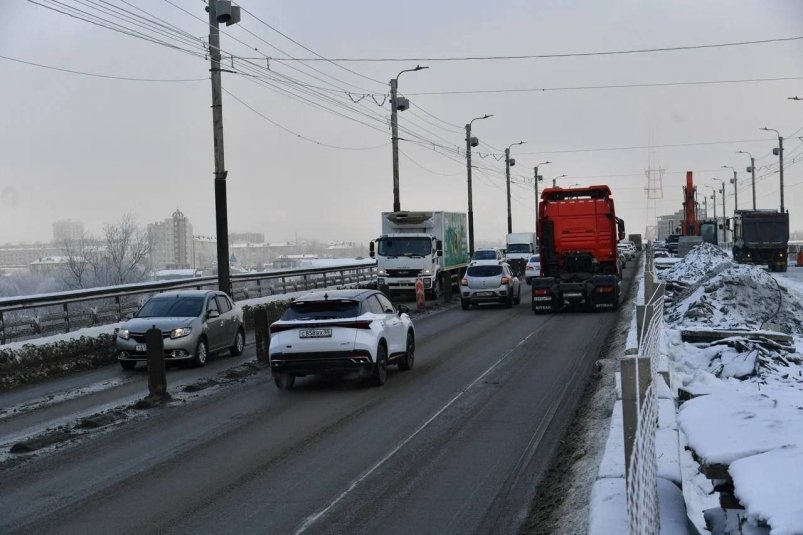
[{"x": 738, "y": 297}]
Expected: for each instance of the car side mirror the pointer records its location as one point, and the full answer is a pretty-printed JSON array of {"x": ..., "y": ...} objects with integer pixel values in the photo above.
[
  {"x": 403, "y": 309},
  {"x": 371, "y": 250},
  {"x": 129, "y": 316},
  {"x": 212, "y": 314}
]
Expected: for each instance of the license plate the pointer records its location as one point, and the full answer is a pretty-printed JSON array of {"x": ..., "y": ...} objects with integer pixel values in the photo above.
[
  {"x": 315, "y": 333},
  {"x": 572, "y": 294},
  {"x": 140, "y": 348},
  {"x": 484, "y": 294}
]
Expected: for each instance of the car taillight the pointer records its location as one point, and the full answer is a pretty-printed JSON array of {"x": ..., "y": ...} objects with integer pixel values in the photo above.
[
  {"x": 530, "y": 266},
  {"x": 505, "y": 279},
  {"x": 279, "y": 328},
  {"x": 541, "y": 291},
  {"x": 464, "y": 282},
  {"x": 604, "y": 290}
]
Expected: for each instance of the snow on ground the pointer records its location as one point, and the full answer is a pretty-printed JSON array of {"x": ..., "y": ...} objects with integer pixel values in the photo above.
[
  {"x": 748, "y": 409},
  {"x": 89, "y": 332}
]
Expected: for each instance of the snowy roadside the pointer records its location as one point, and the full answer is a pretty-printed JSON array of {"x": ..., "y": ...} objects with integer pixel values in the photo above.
[{"x": 734, "y": 337}]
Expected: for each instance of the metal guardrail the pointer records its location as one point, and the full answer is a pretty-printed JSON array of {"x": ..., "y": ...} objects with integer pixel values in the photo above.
[{"x": 29, "y": 317}]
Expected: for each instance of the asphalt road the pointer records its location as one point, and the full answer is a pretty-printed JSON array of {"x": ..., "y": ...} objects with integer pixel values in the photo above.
[{"x": 456, "y": 445}]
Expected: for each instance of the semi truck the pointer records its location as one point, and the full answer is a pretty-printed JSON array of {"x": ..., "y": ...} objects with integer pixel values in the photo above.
[
  {"x": 578, "y": 237},
  {"x": 761, "y": 237},
  {"x": 520, "y": 246},
  {"x": 429, "y": 245}
]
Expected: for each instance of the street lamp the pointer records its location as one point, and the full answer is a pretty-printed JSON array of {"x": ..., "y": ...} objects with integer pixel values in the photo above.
[
  {"x": 724, "y": 211},
  {"x": 778, "y": 151},
  {"x": 752, "y": 171},
  {"x": 735, "y": 188},
  {"x": 471, "y": 142},
  {"x": 397, "y": 104},
  {"x": 537, "y": 178},
  {"x": 220, "y": 11},
  {"x": 510, "y": 162},
  {"x": 555, "y": 180}
]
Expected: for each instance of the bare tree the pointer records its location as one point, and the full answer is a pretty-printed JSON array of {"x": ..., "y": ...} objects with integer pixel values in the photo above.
[
  {"x": 126, "y": 249},
  {"x": 82, "y": 261}
]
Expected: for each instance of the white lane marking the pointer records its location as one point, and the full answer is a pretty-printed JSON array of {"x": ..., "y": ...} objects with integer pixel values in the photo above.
[{"x": 311, "y": 519}]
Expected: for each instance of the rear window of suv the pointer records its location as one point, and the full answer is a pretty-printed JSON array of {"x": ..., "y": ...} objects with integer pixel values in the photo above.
[
  {"x": 484, "y": 271},
  {"x": 485, "y": 255},
  {"x": 322, "y": 310}
]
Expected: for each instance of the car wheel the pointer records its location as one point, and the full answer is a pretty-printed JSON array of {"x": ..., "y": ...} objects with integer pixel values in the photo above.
[
  {"x": 201, "y": 353},
  {"x": 406, "y": 363},
  {"x": 509, "y": 301},
  {"x": 518, "y": 297},
  {"x": 239, "y": 343},
  {"x": 380, "y": 374},
  {"x": 128, "y": 364},
  {"x": 284, "y": 381},
  {"x": 465, "y": 304}
]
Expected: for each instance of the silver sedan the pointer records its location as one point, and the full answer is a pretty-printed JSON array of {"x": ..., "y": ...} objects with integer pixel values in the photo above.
[
  {"x": 194, "y": 323},
  {"x": 489, "y": 282}
]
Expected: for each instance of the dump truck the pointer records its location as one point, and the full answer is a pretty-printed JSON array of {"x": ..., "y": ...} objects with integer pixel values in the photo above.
[
  {"x": 429, "y": 245},
  {"x": 578, "y": 237},
  {"x": 761, "y": 237}
]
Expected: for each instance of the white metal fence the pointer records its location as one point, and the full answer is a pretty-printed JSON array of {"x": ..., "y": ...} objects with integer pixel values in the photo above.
[{"x": 640, "y": 410}]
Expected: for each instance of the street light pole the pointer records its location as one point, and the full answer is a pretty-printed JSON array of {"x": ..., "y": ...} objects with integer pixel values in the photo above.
[
  {"x": 735, "y": 188},
  {"x": 752, "y": 171},
  {"x": 537, "y": 178},
  {"x": 221, "y": 212},
  {"x": 555, "y": 180},
  {"x": 778, "y": 152},
  {"x": 714, "y": 203},
  {"x": 471, "y": 142},
  {"x": 724, "y": 212},
  {"x": 395, "y": 108},
  {"x": 508, "y": 163}
]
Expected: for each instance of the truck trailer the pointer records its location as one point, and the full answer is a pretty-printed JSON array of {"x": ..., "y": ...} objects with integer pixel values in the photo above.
[
  {"x": 761, "y": 237},
  {"x": 429, "y": 245},
  {"x": 579, "y": 233}
]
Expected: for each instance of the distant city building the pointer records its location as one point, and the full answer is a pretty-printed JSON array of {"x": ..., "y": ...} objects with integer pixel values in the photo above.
[
  {"x": 204, "y": 252},
  {"x": 246, "y": 237},
  {"x": 67, "y": 230},
  {"x": 20, "y": 256},
  {"x": 171, "y": 243},
  {"x": 49, "y": 264}
]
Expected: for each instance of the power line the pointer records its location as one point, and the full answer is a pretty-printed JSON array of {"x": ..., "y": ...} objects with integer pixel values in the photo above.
[
  {"x": 639, "y": 147},
  {"x": 107, "y": 76},
  {"x": 296, "y": 134},
  {"x": 557, "y": 55},
  {"x": 608, "y": 86}
]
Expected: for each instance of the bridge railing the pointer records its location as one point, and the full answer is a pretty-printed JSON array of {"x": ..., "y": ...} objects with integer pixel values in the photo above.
[
  {"x": 640, "y": 410},
  {"x": 29, "y": 317}
]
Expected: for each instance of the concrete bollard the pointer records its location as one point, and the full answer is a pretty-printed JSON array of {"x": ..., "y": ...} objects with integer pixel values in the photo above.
[
  {"x": 261, "y": 333},
  {"x": 157, "y": 375}
]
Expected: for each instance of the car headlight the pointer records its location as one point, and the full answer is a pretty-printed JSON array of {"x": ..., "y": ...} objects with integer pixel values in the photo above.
[
  {"x": 180, "y": 332},
  {"x": 382, "y": 273},
  {"x": 426, "y": 272},
  {"x": 124, "y": 334}
]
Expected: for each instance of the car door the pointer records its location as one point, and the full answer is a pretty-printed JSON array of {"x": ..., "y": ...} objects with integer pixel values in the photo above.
[
  {"x": 229, "y": 319},
  {"x": 215, "y": 326},
  {"x": 394, "y": 326}
]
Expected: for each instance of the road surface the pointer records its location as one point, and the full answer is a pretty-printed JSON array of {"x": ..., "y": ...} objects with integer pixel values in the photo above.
[{"x": 457, "y": 445}]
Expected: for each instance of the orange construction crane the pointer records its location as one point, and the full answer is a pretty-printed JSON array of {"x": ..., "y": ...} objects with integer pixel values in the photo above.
[{"x": 691, "y": 227}]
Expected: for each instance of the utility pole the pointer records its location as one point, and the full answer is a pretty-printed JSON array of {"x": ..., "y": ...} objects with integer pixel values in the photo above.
[
  {"x": 714, "y": 203},
  {"x": 778, "y": 151},
  {"x": 471, "y": 142},
  {"x": 221, "y": 212},
  {"x": 508, "y": 163},
  {"x": 397, "y": 104},
  {"x": 752, "y": 171},
  {"x": 705, "y": 206},
  {"x": 537, "y": 178},
  {"x": 735, "y": 188}
]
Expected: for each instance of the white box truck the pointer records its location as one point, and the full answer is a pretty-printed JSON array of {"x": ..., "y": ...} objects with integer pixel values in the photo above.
[
  {"x": 520, "y": 247},
  {"x": 430, "y": 245}
]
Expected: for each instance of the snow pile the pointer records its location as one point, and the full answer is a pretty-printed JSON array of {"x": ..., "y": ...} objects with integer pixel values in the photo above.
[
  {"x": 702, "y": 260},
  {"x": 738, "y": 297}
]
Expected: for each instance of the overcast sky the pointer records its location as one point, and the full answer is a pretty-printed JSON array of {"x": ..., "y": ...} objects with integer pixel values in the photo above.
[{"x": 91, "y": 149}]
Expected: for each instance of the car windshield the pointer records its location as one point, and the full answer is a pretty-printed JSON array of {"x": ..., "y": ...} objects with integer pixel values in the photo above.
[
  {"x": 518, "y": 248},
  {"x": 484, "y": 255},
  {"x": 172, "y": 307},
  {"x": 322, "y": 310},
  {"x": 405, "y": 246},
  {"x": 484, "y": 271}
]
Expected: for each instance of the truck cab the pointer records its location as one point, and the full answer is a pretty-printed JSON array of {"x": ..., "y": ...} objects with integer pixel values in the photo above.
[{"x": 761, "y": 237}]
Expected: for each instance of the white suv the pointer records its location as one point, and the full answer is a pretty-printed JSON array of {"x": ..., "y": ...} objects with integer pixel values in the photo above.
[{"x": 339, "y": 332}]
